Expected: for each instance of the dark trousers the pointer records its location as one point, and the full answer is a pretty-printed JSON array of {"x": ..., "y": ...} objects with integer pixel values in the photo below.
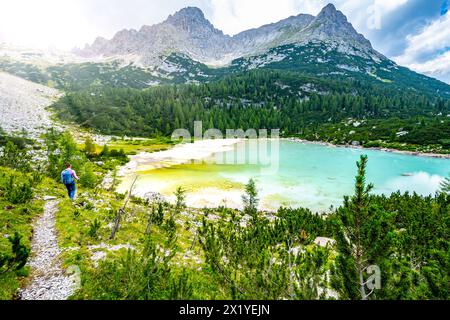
[{"x": 71, "y": 188}]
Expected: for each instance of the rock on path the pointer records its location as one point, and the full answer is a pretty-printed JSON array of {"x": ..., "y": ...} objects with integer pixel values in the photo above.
[{"x": 48, "y": 281}]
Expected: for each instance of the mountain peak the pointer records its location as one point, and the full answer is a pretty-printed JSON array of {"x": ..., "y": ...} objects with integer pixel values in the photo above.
[
  {"x": 193, "y": 21},
  {"x": 189, "y": 31},
  {"x": 330, "y": 12},
  {"x": 332, "y": 24},
  {"x": 188, "y": 12},
  {"x": 329, "y": 8}
]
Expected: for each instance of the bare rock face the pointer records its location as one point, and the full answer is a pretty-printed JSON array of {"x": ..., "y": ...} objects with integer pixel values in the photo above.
[
  {"x": 331, "y": 24},
  {"x": 189, "y": 32},
  {"x": 262, "y": 36}
]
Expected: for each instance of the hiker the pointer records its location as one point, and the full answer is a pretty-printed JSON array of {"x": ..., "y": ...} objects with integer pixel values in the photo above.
[{"x": 68, "y": 177}]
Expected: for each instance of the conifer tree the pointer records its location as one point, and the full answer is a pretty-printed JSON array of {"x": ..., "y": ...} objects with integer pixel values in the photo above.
[
  {"x": 180, "y": 196},
  {"x": 88, "y": 178},
  {"x": 250, "y": 198},
  {"x": 363, "y": 234},
  {"x": 89, "y": 147}
]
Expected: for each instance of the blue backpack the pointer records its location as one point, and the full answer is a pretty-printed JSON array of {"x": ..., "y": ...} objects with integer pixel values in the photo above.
[{"x": 66, "y": 177}]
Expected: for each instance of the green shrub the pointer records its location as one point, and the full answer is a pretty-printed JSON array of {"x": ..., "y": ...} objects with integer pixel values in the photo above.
[
  {"x": 135, "y": 276},
  {"x": 372, "y": 144},
  {"x": 94, "y": 229},
  {"x": 18, "y": 191},
  {"x": 180, "y": 287},
  {"x": 36, "y": 177},
  {"x": 19, "y": 256},
  {"x": 88, "y": 178},
  {"x": 15, "y": 157},
  {"x": 76, "y": 213}
]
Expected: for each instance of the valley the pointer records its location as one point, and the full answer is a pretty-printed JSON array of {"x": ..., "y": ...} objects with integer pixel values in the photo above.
[{"x": 359, "y": 177}]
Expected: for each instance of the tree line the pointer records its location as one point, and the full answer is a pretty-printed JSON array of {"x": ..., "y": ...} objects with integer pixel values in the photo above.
[{"x": 296, "y": 104}]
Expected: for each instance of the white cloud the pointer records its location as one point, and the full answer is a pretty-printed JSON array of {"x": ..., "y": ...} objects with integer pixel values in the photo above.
[
  {"x": 234, "y": 16},
  {"x": 360, "y": 13},
  {"x": 390, "y": 5},
  {"x": 432, "y": 39},
  {"x": 69, "y": 23},
  {"x": 438, "y": 67}
]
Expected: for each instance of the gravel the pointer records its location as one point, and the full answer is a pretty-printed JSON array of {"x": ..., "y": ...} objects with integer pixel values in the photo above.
[
  {"x": 22, "y": 105},
  {"x": 48, "y": 281}
]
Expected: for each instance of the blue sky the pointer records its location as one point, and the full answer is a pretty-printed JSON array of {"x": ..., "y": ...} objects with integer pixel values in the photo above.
[{"x": 414, "y": 33}]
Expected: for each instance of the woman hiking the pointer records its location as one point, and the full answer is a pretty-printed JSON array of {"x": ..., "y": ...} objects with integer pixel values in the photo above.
[{"x": 68, "y": 177}]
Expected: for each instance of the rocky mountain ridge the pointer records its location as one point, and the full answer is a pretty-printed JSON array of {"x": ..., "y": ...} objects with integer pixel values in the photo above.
[{"x": 189, "y": 32}]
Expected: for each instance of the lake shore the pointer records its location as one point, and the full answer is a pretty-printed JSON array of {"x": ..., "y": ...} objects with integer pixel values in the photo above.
[
  {"x": 180, "y": 154},
  {"x": 411, "y": 153},
  {"x": 186, "y": 153}
]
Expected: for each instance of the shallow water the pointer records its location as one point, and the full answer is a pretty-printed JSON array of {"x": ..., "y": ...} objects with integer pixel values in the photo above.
[{"x": 291, "y": 174}]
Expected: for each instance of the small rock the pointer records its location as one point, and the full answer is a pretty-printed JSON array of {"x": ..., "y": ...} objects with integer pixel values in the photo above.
[
  {"x": 48, "y": 198},
  {"x": 323, "y": 241}
]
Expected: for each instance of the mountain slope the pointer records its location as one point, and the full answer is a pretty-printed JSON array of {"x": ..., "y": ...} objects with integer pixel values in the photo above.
[
  {"x": 23, "y": 105},
  {"x": 187, "y": 48}
]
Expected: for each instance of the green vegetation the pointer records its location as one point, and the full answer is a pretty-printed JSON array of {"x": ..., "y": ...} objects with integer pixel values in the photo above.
[
  {"x": 445, "y": 185},
  {"x": 121, "y": 147},
  {"x": 15, "y": 156},
  {"x": 17, "y": 210},
  {"x": 170, "y": 251},
  {"x": 250, "y": 199},
  {"x": 73, "y": 77},
  {"x": 134, "y": 146},
  {"x": 303, "y": 106}
]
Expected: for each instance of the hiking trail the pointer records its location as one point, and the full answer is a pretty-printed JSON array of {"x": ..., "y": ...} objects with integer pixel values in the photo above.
[{"x": 48, "y": 279}]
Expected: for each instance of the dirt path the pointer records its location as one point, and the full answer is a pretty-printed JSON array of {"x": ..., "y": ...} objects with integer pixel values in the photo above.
[{"x": 48, "y": 281}]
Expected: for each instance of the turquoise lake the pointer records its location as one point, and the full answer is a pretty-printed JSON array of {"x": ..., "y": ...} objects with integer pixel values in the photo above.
[{"x": 294, "y": 174}]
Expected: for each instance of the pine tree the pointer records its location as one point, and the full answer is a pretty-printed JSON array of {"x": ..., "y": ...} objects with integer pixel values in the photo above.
[
  {"x": 88, "y": 178},
  {"x": 89, "y": 147},
  {"x": 250, "y": 198},
  {"x": 363, "y": 235},
  {"x": 180, "y": 195},
  {"x": 14, "y": 157}
]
